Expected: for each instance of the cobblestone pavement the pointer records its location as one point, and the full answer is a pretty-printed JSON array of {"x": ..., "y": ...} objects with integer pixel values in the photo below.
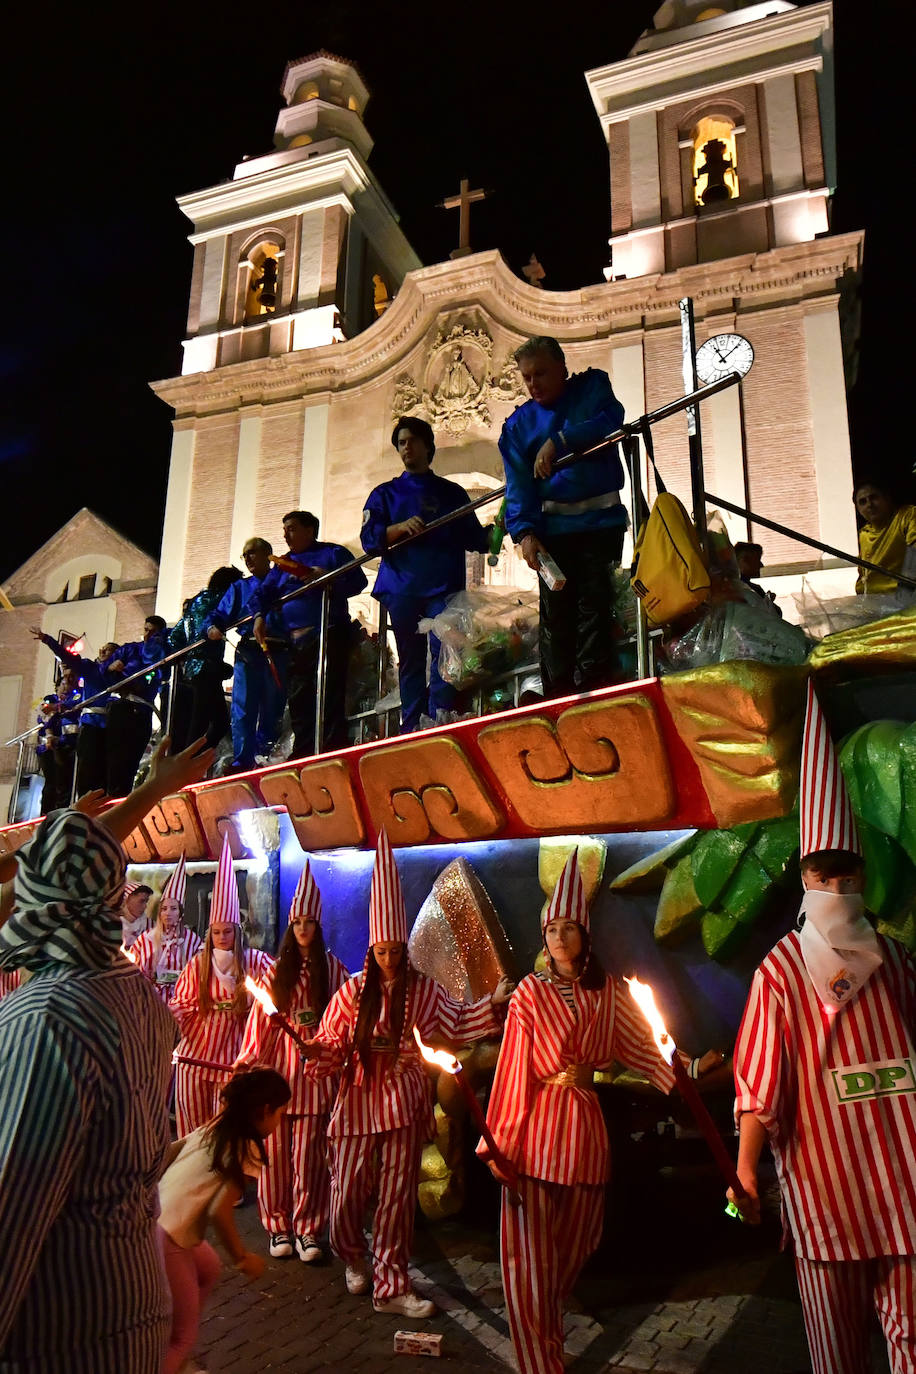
[{"x": 676, "y": 1288}]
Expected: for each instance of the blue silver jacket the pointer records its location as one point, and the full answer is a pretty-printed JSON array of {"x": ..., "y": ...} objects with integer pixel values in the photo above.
[{"x": 586, "y": 412}]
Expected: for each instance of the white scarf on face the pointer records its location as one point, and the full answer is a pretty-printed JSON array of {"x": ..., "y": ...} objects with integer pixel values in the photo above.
[
  {"x": 221, "y": 961},
  {"x": 838, "y": 945}
]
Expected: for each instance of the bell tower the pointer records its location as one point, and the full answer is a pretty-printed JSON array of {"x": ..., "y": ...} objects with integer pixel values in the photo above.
[
  {"x": 285, "y": 254},
  {"x": 720, "y": 129}
]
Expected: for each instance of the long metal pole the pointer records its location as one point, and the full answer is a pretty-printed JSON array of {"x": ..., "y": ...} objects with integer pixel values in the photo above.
[
  {"x": 631, "y": 453},
  {"x": 694, "y": 430},
  {"x": 322, "y": 671},
  {"x": 382, "y": 665},
  {"x": 17, "y": 783},
  {"x": 326, "y": 579},
  {"x": 807, "y": 539}
]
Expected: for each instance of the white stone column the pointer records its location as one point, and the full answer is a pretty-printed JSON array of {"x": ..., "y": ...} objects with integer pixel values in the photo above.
[
  {"x": 784, "y": 155},
  {"x": 174, "y": 529},
  {"x": 246, "y": 483},
  {"x": 211, "y": 298},
  {"x": 830, "y": 427},
  {"x": 314, "y": 460}
]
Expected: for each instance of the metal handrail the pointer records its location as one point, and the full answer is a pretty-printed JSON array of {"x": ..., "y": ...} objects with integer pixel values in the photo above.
[
  {"x": 326, "y": 580},
  {"x": 806, "y": 539}
]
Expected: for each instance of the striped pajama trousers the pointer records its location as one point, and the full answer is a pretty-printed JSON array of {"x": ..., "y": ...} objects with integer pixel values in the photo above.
[
  {"x": 294, "y": 1190},
  {"x": 837, "y": 1301},
  {"x": 390, "y": 1160},
  {"x": 196, "y": 1097},
  {"x": 544, "y": 1243}
]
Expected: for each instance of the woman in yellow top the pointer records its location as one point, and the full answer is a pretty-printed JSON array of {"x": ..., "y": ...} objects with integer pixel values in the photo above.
[{"x": 887, "y": 532}]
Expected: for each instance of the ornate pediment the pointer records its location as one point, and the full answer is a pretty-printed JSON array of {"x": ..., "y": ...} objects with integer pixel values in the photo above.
[{"x": 459, "y": 382}]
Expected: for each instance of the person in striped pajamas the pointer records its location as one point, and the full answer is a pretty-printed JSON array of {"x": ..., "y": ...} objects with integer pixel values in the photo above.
[
  {"x": 384, "y": 1110},
  {"x": 294, "y": 1187},
  {"x": 85, "y": 1048},
  {"x": 164, "y": 951},
  {"x": 545, "y": 1118},
  {"x": 210, "y": 1004},
  {"x": 824, "y": 1072}
]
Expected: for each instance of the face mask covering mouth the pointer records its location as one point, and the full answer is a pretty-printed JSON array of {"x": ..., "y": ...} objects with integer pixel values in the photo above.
[{"x": 838, "y": 945}]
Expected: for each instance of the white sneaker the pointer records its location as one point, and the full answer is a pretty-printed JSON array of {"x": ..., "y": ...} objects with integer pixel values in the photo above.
[
  {"x": 357, "y": 1278},
  {"x": 281, "y": 1246},
  {"x": 308, "y": 1250},
  {"x": 407, "y": 1305}
]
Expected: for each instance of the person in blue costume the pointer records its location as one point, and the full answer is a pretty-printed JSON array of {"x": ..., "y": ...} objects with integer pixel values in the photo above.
[
  {"x": 200, "y": 702},
  {"x": 311, "y": 558},
  {"x": 258, "y": 699},
  {"x": 92, "y": 739},
  {"x": 574, "y": 514},
  {"x": 417, "y": 581},
  {"x": 130, "y": 715}
]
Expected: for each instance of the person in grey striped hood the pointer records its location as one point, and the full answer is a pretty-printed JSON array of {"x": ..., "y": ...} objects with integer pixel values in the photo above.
[{"x": 85, "y": 1051}]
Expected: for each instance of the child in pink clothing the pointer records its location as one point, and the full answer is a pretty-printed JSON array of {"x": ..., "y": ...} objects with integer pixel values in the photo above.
[{"x": 204, "y": 1180}]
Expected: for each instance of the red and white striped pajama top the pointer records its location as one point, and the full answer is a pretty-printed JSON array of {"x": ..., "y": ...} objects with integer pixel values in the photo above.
[
  {"x": 402, "y": 1095},
  {"x": 556, "y": 1132},
  {"x": 173, "y": 957},
  {"x": 836, "y": 1091},
  {"x": 270, "y": 1046}
]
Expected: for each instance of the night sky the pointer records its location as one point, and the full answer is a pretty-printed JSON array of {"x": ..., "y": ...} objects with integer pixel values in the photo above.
[{"x": 109, "y": 120}]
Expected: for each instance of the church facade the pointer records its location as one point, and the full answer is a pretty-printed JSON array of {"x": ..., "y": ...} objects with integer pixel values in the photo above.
[{"x": 312, "y": 324}]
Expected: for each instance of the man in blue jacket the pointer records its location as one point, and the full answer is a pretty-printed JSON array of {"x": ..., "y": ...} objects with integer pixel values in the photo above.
[
  {"x": 302, "y": 620},
  {"x": 417, "y": 580},
  {"x": 575, "y": 514},
  {"x": 130, "y": 715},
  {"x": 258, "y": 698},
  {"x": 92, "y": 740}
]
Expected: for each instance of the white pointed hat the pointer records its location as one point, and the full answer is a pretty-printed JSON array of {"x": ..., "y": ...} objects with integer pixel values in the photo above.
[
  {"x": 224, "y": 904},
  {"x": 387, "y": 912},
  {"x": 567, "y": 902},
  {"x": 177, "y": 883},
  {"x": 826, "y": 815},
  {"x": 306, "y": 899}
]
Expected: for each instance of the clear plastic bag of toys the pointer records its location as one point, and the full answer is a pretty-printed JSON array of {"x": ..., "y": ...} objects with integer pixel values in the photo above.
[
  {"x": 483, "y": 634},
  {"x": 741, "y": 626}
]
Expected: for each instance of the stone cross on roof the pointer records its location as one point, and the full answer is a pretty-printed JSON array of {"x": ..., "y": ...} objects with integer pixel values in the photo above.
[{"x": 462, "y": 203}]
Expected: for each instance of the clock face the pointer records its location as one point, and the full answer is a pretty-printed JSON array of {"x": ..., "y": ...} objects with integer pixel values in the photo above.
[{"x": 722, "y": 354}]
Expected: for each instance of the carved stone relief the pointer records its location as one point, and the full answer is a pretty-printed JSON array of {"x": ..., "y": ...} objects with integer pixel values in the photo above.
[{"x": 459, "y": 382}]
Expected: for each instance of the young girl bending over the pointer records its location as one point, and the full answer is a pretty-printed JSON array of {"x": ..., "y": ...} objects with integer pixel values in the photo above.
[{"x": 204, "y": 1180}]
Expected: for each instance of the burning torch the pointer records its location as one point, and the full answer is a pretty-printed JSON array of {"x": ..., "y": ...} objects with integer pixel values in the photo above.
[
  {"x": 261, "y": 996},
  {"x": 644, "y": 998},
  {"x": 449, "y": 1064}
]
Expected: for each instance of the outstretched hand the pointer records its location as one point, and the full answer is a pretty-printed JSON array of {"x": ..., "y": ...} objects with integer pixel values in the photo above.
[
  {"x": 171, "y": 772},
  {"x": 92, "y": 803}
]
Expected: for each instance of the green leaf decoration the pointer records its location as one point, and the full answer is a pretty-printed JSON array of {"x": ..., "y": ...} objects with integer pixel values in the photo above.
[
  {"x": 871, "y": 761},
  {"x": 715, "y": 857},
  {"x": 907, "y": 752},
  {"x": 650, "y": 873},
  {"x": 776, "y": 847},
  {"x": 679, "y": 907}
]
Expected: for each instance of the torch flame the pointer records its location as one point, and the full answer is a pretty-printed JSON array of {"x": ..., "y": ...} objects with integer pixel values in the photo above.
[
  {"x": 441, "y": 1058},
  {"x": 645, "y": 999},
  {"x": 260, "y": 995}
]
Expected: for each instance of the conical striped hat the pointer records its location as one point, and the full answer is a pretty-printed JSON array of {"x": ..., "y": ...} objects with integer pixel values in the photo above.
[
  {"x": 387, "y": 912},
  {"x": 128, "y": 889},
  {"x": 177, "y": 882},
  {"x": 568, "y": 900},
  {"x": 224, "y": 904},
  {"x": 306, "y": 899},
  {"x": 827, "y": 821}
]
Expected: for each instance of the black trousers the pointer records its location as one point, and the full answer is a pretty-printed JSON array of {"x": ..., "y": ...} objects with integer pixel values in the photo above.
[
  {"x": 91, "y": 758},
  {"x": 129, "y": 728},
  {"x": 301, "y": 689},
  {"x": 200, "y": 709},
  {"x": 577, "y": 645}
]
